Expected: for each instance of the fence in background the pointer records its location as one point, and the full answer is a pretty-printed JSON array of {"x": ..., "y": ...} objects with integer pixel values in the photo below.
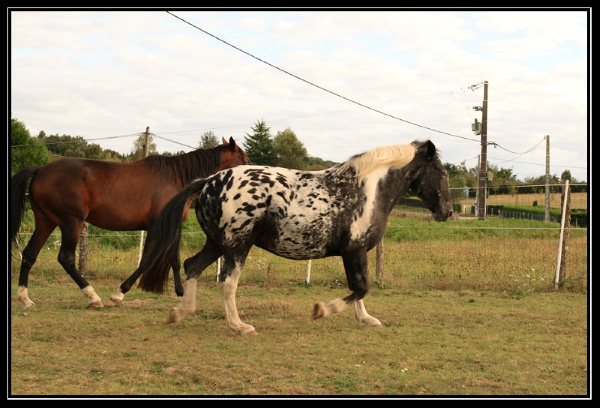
[{"x": 475, "y": 256}]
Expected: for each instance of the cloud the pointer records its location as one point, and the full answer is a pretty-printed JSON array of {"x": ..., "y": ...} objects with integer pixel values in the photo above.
[{"x": 99, "y": 74}]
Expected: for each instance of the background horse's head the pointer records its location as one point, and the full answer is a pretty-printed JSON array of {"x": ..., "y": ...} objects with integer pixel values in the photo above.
[
  {"x": 430, "y": 181},
  {"x": 232, "y": 155}
]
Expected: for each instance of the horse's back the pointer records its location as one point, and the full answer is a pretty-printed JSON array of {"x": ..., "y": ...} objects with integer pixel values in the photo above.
[{"x": 110, "y": 195}]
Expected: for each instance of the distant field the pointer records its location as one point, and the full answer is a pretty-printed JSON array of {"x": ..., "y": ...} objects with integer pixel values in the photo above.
[{"x": 578, "y": 200}]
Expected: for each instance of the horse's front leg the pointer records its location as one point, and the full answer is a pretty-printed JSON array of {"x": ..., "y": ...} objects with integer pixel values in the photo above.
[
  {"x": 355, "y": 265},
  {"x": 361, "y": 315},
  {"x": 176, "y": 266}
]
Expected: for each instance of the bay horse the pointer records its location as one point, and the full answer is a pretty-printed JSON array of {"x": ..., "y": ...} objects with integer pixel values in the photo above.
[
  {"x": 110, "y": 195},
  {"x": 340, "y": 211}
]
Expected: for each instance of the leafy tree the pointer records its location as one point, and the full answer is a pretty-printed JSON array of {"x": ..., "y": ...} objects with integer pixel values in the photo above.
[
  {"x": 76, "y": 146},
  {"x": 316, "y": 163},
  {"x": 109, "y": 154},
  {"x": 289, "y": 151},
  {"x": 460, "y": 176},
  {"x": 208, "y": 140},
  {"x": 67, "y": 146},
  {"x": 165, "y": 153},
  {"x": 503, "y": 181},
  {"x": 566, "y": 175},
  {"x": 28, "y": 151},
  {"x": 259, "y": 145},
  {"x": 138, "y": 147}
]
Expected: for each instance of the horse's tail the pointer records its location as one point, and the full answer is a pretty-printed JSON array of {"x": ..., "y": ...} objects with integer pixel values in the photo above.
[
  {"x": 164, "y": 245},
  {"x": 18, "y": 187}
]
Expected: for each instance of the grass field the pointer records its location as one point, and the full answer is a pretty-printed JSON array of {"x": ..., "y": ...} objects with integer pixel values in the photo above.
[
  {"x": 578, "y": 200},
  {"x": 468, "y": 308},
  {"x": 432, "y": 343}
]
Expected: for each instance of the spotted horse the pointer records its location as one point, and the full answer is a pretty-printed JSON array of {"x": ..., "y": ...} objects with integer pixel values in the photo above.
[{"x": 340, "y": 211}]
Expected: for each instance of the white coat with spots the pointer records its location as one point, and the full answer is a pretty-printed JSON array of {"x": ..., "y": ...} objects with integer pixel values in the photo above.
[{"x": 297, "y": 214}]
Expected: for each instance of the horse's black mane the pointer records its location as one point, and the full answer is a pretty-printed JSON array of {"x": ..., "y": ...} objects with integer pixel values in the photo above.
[{"x": 184, "y": 168}]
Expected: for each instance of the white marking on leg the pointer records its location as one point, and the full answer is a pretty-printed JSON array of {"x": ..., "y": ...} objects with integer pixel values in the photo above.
[
  {"x": 188, "y": 302},
  {"x": 323, "y": 310},
  {"x": 228, "y": 288},
  {"x": 95, "y": 300},
  {"x": 361, "y": 315},
  {"x": 117, "y": 297},
  {"x": 23, "y": 297}
]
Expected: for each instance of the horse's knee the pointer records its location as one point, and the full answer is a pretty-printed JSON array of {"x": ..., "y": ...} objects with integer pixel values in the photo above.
[
  {"x": 66, "y": 259},
  {"x": 29, "y": 257},
  {"x": 187, "y": 264}
]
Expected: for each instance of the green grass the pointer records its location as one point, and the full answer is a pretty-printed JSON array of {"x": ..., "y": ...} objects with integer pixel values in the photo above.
[
  {"x": 467, "y": 310},
  {"x": 411, "y": 229},
  {"x": 432, "y": 343}
]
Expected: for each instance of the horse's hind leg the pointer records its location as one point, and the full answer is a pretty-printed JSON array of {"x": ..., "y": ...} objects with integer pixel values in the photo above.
[
  {"x": 229, "y": 277},
  {"x": 43, "y": 229},
  {"x": 194, "y": 266},
  {"x": 355, "y": 265},
  {"x": 118, "y": 297},
  {"x": 66, "y": 257}
]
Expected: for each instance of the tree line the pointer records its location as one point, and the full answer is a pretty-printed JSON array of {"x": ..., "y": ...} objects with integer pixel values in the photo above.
[{"x": 284, "y": 149}]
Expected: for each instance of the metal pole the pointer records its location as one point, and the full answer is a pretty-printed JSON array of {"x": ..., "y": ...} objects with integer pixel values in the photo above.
[
  {"x": 141, "y": 247},
  {"x": 146, "y": 143},
  {"x": 308, "y": 270},
  {"x": 547, "y": 200}
]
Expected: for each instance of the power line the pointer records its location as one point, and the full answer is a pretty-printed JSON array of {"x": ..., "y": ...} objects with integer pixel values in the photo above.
[
  {"x": 320, "y": 87},
  {"x": 79, "y": 141},
  {"x": 543, "y": 164},
  {"x": 510, "y": 151},
  {"x": 173, "y": 141}
]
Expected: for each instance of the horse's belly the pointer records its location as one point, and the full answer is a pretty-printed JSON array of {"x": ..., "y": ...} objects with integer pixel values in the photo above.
[
  {"x": 295, "y": 250},
  {"x": 296, "y": 243}
]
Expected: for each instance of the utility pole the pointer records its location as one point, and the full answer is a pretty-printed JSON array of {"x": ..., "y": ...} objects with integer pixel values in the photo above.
[
  {"x": 477, "y": 195},
  {"x": 547, "y": 198},
  {"x": 146, "y": 141},
  {"x": 483, "y": 165}
]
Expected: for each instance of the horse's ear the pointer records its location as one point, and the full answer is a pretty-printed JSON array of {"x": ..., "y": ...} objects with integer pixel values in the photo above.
[
  {"x": 232, "y": 145},
  {"x": 224, "y": 141},
  {"x": 429, "y": 149}
]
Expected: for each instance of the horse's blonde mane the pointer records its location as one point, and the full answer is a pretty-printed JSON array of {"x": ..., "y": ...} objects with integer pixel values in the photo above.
[{"x": 385, "y": 156}]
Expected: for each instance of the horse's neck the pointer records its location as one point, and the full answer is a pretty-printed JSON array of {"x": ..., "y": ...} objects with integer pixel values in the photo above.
[{"x": 391, "y": 187}]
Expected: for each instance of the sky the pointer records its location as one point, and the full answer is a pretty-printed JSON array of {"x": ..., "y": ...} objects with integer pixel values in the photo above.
[{"x": 99, "y": 74}]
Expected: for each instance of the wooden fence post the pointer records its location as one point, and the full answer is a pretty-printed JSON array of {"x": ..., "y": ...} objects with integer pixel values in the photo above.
[
  {"x": 83, "y": 248},
  {"x": 563, "y": 247},
  {"x": 379, "y": 261}
]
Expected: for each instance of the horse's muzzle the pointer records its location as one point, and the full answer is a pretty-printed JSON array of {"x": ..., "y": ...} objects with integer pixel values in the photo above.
[{"x": 442, "y": 215}]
